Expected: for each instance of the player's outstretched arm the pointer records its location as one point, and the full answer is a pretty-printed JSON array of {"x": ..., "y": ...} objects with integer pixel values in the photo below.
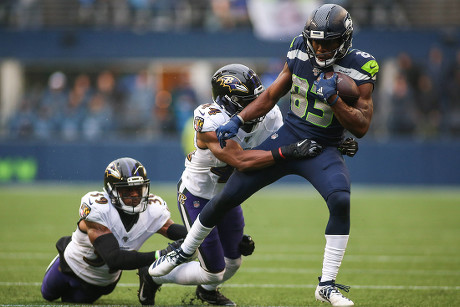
[
  {"x": 246, "y": 160},
  {"x": 107, "y": 247}
]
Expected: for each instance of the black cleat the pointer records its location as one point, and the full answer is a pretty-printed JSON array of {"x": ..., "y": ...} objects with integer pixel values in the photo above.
[
  {"x": 147, "y": 287},
  {"x": 213, "y": 297}
]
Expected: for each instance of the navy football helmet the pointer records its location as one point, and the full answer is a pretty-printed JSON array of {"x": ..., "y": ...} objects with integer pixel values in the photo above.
[
  {"x": 127, "y": 173},
  {"x": 234, "y": 86},
  {"x": 328, "y": 22}
]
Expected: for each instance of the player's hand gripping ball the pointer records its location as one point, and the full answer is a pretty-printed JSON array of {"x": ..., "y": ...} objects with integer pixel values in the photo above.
[{"x": 346, "y": 87}]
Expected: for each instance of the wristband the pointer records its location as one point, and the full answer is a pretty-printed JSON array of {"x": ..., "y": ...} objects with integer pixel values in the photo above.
[
  {"x": 241, "y": 119},
  {"x": 277, "y": 154},
  {"x": 334, "y": 102}
]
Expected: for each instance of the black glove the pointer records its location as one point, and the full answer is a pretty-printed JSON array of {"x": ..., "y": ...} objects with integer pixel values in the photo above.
[
  {"x": 247, "y": 245},
  {"x": 300, "y": 150},
  {"x": 171, "y": 246},
  {"x": 348, "y": 147}
]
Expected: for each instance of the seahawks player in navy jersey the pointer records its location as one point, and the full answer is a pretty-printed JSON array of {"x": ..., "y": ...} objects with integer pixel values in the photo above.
[{"x": 317, "y": 113}]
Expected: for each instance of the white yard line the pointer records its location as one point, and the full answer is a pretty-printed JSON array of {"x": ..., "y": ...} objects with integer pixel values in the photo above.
[{"x": 371, "y": 287}]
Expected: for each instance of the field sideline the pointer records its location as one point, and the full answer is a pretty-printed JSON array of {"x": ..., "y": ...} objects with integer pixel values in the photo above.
[{"x": 403, "y": 248}]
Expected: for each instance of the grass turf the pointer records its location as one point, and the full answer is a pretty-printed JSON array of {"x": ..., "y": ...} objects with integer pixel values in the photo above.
[{"x": 403, "y": 248}]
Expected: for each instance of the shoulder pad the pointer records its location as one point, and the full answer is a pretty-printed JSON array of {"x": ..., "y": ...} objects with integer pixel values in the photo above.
[
  {"x": 359, "y": 65},
  {"x": 93, "y": 201},
  {"x": 208, "y": 117},
  {"x": 156, "y": 200},
  {"x": 297, "y": 42}
]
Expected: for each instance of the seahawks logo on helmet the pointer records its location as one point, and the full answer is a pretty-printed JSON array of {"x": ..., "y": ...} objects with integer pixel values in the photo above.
[{"x": 233, "y": 83}]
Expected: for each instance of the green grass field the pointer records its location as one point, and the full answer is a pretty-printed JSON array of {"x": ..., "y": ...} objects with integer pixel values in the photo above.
[{"x": 403, "y": 251}]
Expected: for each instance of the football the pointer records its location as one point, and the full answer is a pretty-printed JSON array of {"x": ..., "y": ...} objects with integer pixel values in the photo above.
[{"x": 346, "y": 87}]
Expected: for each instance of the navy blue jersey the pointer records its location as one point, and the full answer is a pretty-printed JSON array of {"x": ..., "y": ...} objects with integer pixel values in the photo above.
[{"x": 309, "y": 116}]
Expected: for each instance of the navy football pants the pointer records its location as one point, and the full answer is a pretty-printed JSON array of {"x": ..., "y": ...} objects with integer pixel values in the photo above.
[{"x": 70, "y": 288}]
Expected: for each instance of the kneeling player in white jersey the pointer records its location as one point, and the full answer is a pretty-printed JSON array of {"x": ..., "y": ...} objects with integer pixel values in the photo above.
[
  {"x": 207, "y": 169},
  {"x": 113, "y": 225}
]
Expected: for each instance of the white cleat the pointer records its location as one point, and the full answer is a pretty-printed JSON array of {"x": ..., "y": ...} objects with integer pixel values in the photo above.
[
  {"x": 168, "y": 262},
  {"x": 330, "y": 294}
]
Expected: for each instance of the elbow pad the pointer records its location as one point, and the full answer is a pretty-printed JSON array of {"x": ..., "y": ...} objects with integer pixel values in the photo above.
[{"x": 176, "y": 232}]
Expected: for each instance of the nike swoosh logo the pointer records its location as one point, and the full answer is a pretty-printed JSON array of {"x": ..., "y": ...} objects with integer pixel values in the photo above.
[
  {"x": 300, "y": 144},
  {"x": 141, "y": 294},
  {"x": 201, "y": 112},
  {"x": 372, "y": 67}
]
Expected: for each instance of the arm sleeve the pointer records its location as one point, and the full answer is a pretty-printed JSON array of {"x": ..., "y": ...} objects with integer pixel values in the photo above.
[
  {"x": 107, "y": 247},
  {"x": 176, "y": 232}
]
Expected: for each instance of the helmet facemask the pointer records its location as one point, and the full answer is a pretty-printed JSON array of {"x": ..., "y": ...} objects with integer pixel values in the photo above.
[{"x": 131, "y": 204}]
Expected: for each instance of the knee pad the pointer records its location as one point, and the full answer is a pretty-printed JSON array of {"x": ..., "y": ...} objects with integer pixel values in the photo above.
[
  {"x": 339, "y": 213},
  {"x": 339, "y": 203}
]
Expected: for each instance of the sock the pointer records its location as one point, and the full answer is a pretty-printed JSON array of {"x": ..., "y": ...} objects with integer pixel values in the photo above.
[
  {"x": 195, "y": 237},
  {"x": 231, "y": 266},
  {"x": 333, "y": 255},
  {"x": 190, "y": 273}
]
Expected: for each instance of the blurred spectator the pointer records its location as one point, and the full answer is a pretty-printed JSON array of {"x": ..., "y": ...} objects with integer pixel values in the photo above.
[
  {"x": 106, "y": 88},
  {"x": 409, "y": 69},
  {"x": 184, "y": 101},
  {"x": 139, "y": 104},
  {"x": 98, "y": 123},
  {"x": 105, "y": 108},
  {"x": 56, "y": 94},
  {"x": 402, "y": 121},
  {"x": 21, "y": 124},
  {"x": 452, "y": 112},
  {"x": 74, "y": 112},
  {"x": 162, "y": 123},
  {"x": 427, "y": 107},
  {"x": 50, "y": 106}
]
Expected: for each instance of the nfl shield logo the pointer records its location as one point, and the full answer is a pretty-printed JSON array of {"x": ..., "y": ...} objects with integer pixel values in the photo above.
[{"x": 196, "y": 203}]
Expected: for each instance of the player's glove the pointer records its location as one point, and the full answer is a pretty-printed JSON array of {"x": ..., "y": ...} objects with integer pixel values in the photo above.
[
  {"x": 300, "y": 150},
  {"x": 325, "y": 88},
  {"x": 171, "y": 246},
  {"x": 229, "y": 130},
  {"x": 247, "y": 245},
  {"x": 348, "y": 147}
]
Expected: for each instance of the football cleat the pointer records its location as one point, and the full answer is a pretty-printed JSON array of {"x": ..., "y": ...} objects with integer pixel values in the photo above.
[
  {"x": 168, "y": 262},
  {"x": 147, "y": 287},
  {"x": 213, "y": 297},
  {"x": 328, "y": 292}
]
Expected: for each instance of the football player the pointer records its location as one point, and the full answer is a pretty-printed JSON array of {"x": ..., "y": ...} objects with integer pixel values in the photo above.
[
  {"x": 317, "y": 113},
  {"x": 113, "y": 225},
  {"x": 207, "y": 169}
]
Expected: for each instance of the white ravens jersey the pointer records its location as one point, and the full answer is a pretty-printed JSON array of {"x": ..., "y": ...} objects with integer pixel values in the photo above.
[
  {"x": 204, "y": 174},
  {"x": 97, "y": 207}
]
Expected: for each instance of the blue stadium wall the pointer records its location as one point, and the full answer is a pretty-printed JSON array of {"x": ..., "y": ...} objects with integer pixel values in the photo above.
[
  {"x": 78, "y": 45},
  {"x": 389, "y": 162},
  {"x": 394, "y": 163}
]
